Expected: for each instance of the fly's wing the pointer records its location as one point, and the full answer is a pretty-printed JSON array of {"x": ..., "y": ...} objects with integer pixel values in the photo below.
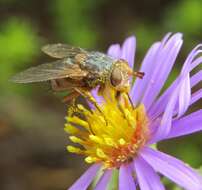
[
  {"x": 61, "y": 50},
  {"x": 48, "y": 71}
]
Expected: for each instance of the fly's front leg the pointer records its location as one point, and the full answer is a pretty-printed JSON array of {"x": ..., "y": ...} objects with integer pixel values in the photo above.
[
  {"x": 87, "y": 95},
  {"x": 70, "y": 97},
  {"x": 130, "y": 100},
  {"x": 118, "y": 98}
]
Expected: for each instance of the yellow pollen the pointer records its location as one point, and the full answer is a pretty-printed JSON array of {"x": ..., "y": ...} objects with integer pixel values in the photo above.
[
  {"x": 122, "y": 141},
  {"x": 71, "y": 129},
  {"x": 110, "y": 142},
  {"x": 73, "y": 149},
  {"x": 100, "y": 153},
  {"x": 81, "y": 107},
  {"x": 90, "y": 159},
  {"x": 112, "y": 135},
  {"x": 78, "y": 121},
  {"x": 96, "y": 139},
  {"x": 75, "y": 139}
]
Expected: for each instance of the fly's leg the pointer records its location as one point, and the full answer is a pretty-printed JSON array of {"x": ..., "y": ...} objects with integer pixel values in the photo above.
[
  {"x": 118, "y": 97},
  {"x": 70, "y": 97},
  {"x": 87, "y": 95},
  {"x": 130, "y": 100},
  {"x": 56, "y": 86}
]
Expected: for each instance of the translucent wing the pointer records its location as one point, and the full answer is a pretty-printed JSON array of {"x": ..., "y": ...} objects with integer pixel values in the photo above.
[
  {"x": 61, "y": 50},
  {"x": 49, "y": 71}
]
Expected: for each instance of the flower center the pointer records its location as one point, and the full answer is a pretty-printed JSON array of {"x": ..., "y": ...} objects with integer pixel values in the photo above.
[{"x": 112, "y": 135}]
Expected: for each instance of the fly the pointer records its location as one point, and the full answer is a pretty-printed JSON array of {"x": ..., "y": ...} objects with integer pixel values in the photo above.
[{"x": 79, "y": 71}]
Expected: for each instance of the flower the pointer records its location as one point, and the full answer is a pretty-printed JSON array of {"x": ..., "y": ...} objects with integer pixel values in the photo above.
[{"x": 119, "y": 136}]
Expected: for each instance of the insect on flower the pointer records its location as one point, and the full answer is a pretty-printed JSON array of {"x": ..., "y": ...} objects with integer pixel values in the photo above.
[
  {"x": 121, "y": 151},
  {"x": 79, "y": 71}
]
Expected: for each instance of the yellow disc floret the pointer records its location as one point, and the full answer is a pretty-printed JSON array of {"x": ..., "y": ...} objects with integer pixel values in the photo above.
[{"x": 112, "y": 134}]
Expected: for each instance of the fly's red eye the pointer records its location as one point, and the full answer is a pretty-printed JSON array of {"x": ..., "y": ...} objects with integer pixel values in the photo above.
[{"x": 116, "y": 77}]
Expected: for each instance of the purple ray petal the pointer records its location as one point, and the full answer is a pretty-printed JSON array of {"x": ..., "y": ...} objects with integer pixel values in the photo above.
[
  {"x": 147, "y": 177},
  {"x": 184, "y": 96},
  {"x": 185, "y": 91},
  {"x": 192, "y": 55},
  {"x": 196, "y": 96},
  {"x": 114, "y": 51},
  {"x": 173, "y": 168},
  {"x": 126, "y": 180},
  {"x": 195, "y": 79},
  {"x": 165, "y": 125},
  {"x": 166, "y": 38},
  {"x": 196, "y": 62},
  {"x": 85, "y": 180},
  {"x": 159, "y": 106},
  {"x": 140, "y": 85},
  {"x": 103, "y": 182},
  {"x": 158, "y": 126},
  {"x": 165, "y": 60},
  {"x": 186, "y": 125},
  {"x": 128, "y": 50},
  {"x": 98, "y": 98},
  {"x": 149, "y": 64}
]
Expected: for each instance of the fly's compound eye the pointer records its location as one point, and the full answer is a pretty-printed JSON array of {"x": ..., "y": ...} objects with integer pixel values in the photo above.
[{"x": 116, "y": 77}]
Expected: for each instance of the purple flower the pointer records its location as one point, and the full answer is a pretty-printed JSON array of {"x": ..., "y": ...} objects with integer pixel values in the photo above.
[{"x": 125, "y": 142}]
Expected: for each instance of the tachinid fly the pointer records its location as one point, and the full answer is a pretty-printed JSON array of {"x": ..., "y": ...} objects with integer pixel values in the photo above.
[{"x": 79, "y": 71}]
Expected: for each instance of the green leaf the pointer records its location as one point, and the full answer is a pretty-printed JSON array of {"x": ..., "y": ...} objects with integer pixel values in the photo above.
[{"x": 19, "y": 45}]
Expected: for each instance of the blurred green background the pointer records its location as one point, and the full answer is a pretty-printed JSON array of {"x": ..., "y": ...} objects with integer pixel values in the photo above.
[{"x": 32, "y": 140}]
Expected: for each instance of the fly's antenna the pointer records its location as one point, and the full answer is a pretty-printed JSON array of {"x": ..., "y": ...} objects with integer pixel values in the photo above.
[
  {"x": 138, "y": 74},
  {"x": 135, "y": 73}
]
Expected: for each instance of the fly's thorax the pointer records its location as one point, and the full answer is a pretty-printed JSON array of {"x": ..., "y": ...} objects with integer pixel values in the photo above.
[
  {"x": 119, "y": 77},
  {"x": 98, "y": 66}
]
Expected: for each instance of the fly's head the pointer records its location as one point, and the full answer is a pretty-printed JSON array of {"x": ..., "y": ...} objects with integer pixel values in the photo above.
[{"x": 120, "y": 76}]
